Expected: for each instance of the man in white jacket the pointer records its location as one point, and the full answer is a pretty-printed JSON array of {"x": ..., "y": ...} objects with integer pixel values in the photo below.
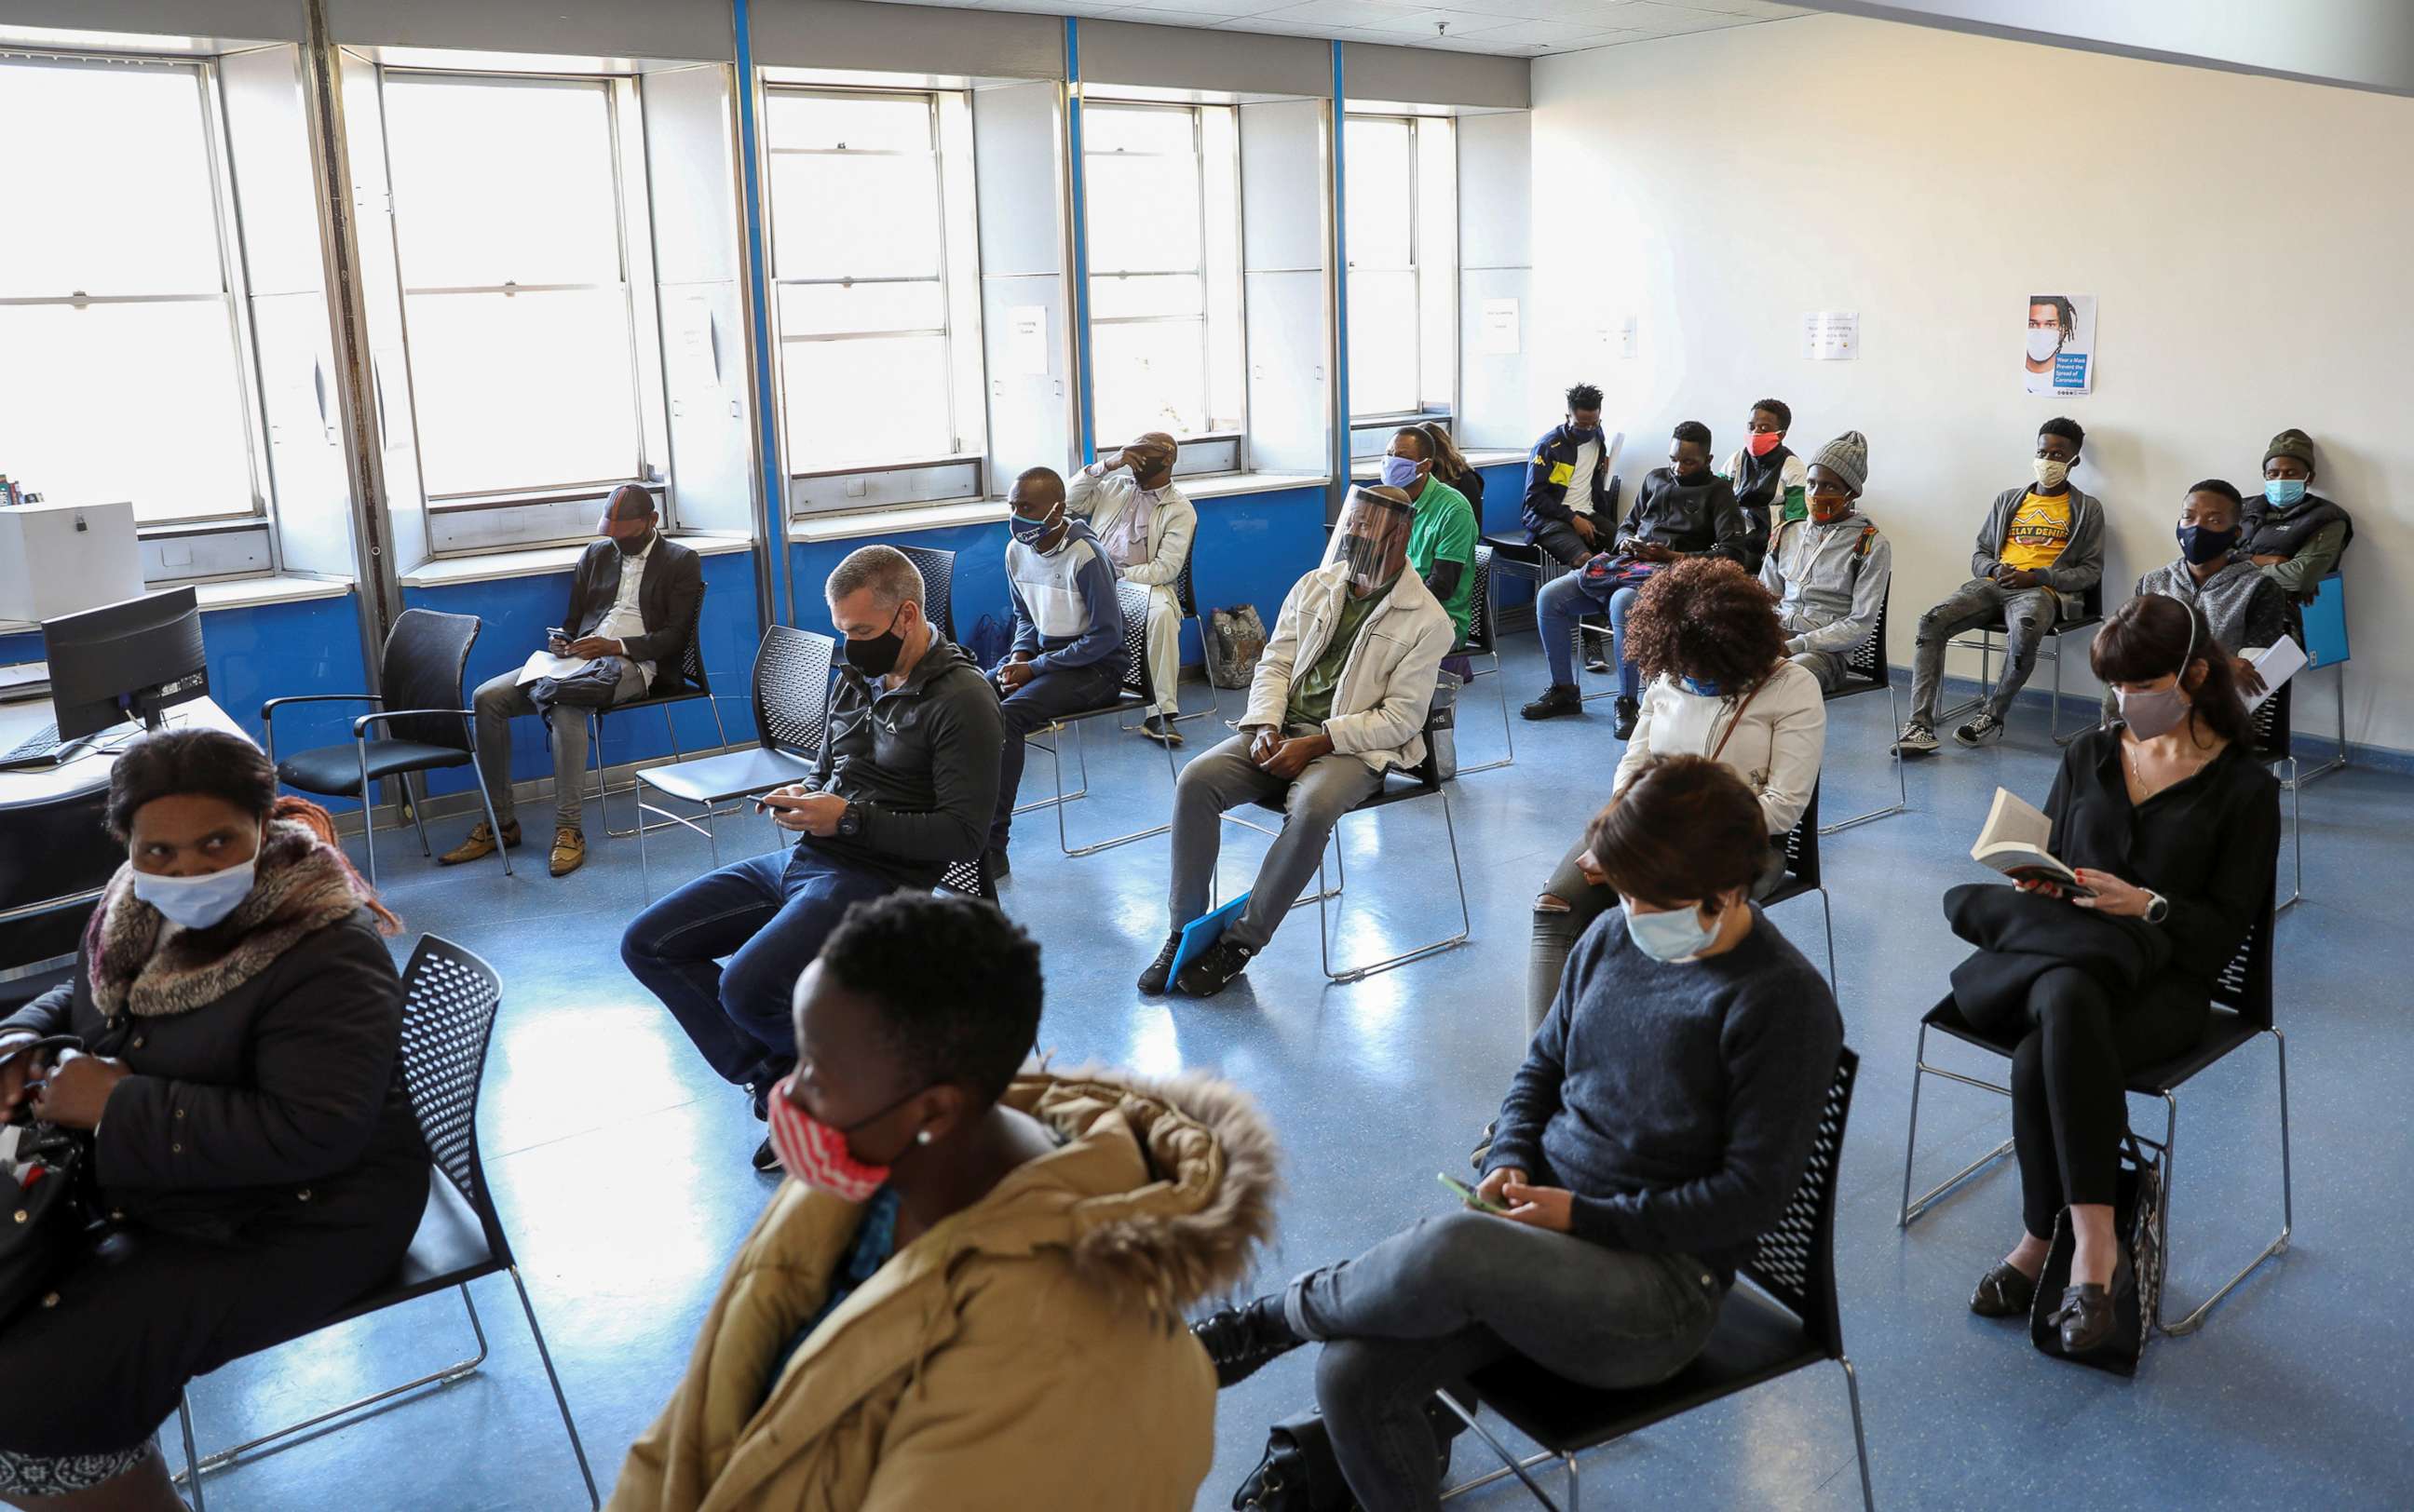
[
  {"x": 1340, "y": 696},
  {"x": 1144, "y": 525}
]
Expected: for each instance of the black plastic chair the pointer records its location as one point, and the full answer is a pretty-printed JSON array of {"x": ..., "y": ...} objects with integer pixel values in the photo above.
[
  {"x": 2274, "y": 747},
  {"x": 1483, "y": 640},
  {"x": 1783, "y": 1320},
  {"x": 684, "y": 684},
  {"x": 2242, "y": 1010},
  {"x": 938, "y": 569},
  {"x": 428, "y": 727},
  {"x": 792, "y": 696},
  {"x": 1866, "y": 670},
  {"x": 1802, "y": 875},
  {"x": 2091, "y": 615},
  {"x": 1186, "y": 598},
  {"x": 447, "y": 1020},
  {"x": 970, "y": 878},
  {"x": 1136, "y": 691}
]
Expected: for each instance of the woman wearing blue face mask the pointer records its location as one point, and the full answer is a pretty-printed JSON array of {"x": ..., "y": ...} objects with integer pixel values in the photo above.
[
  {"x": 1658, "y": 1127},
  {"x": 2173, "y": 829},
  {"x": 251, "y": 1140}
]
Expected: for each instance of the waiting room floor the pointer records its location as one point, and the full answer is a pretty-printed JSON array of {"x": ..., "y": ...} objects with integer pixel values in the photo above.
[{"x": 620, "y": 1162}]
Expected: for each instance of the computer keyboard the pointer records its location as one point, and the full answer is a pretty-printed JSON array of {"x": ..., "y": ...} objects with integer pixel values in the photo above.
[{"x": 41, "y": 746}]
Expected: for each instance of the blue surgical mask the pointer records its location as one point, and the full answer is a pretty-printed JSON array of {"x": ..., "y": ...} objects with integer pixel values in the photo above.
[
  {"x": 1399, "y": 472},
  {"x": 1699, "y": 686},
  {"x": 1672, "y": 935},
  {"x": 198, "y": 902},
  {"x": 2285, "y": 491}
]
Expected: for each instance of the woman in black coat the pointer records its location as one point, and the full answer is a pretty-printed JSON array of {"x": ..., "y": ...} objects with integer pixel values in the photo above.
[
  {"x": 253, "y": 1146},
  {"x": 2174, "y": 828}
]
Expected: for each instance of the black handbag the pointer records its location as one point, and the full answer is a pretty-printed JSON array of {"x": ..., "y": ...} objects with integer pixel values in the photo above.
[
  {"x": 590, "y": 687},
  {"x": 1299, "y": 1472},
  {"x": 50, "y": 1201},
  {"x": 2137, "y": 1220}
]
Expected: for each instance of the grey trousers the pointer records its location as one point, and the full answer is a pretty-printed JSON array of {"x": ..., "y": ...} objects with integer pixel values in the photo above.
[
  {"x": 1827, "y": 666},
  {"x": 499, "y": 700},
  {"x": 1225, "y": 778},
  {"x": 2028, "y": 614}
]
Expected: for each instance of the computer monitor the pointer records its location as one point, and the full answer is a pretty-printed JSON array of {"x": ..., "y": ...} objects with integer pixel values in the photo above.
[{"x": 124, "y": 660}]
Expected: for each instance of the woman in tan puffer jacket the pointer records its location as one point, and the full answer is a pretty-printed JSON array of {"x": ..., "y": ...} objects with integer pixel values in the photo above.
[{"x": 971, "y": 1293}]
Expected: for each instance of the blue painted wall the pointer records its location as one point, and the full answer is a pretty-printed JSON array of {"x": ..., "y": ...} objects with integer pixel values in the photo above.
[
  {"x": 1250, "y": 549},
  {"x": 1504, "y": 496},
  {"x": 515, "y": 612},
  {"x": 312, "y": 646}
]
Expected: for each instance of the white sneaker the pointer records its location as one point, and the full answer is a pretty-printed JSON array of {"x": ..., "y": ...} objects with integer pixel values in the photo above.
[{"x": 1915, "y": 740}]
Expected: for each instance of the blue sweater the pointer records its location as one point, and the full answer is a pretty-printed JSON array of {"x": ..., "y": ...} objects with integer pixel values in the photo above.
[
  {"x": 1677, "y": 1102},
  {"x": 1065, "y": 611}
]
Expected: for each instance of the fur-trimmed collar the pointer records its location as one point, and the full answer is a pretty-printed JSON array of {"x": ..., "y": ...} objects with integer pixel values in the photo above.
[{"x": 141, "y": 964}]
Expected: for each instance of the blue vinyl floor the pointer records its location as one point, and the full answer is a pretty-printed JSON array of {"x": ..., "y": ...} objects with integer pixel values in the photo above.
[{"x": 622, "y": 1174}]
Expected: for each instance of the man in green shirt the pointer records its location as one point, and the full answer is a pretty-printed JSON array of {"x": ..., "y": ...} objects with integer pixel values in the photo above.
[{"x": 1441, "y": 543}]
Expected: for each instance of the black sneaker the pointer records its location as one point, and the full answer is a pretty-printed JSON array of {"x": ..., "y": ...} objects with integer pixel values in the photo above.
[
  {"x": 1977, "y": 732},
  {"x": 999, "y": 867},
  {"x": 1160, "y": 729},
  {"x": 1597, "y": 661},
  {"x": 766, "y": 1159},
  {"x": 1153, "y": 980},
  {"x": 1482, "y": 1147},
  {"x": 1241, "y": 1341},
  {"x": 1216, "y": 969},
  {"x": 1628, "y": 712},
  {"x": 1561, "y": 698}
]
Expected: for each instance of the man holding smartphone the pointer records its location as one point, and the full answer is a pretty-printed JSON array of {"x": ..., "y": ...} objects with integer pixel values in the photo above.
[{"x": 904, "y": 787}]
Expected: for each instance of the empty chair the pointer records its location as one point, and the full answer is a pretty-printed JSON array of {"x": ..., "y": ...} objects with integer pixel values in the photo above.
[
  {"x": 1866, "y": 671},
  {"x": 938, "y": 569}
]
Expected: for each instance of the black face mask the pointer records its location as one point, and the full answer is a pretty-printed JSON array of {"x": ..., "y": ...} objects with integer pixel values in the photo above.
[
  {"x": 875, "y": 656},
  {"x": 631, "y": 548},
  {"x": 2200, "y": 545}
]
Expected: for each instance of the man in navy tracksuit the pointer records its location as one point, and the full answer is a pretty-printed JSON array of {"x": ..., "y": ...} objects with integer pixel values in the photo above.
[{"x": 1570, "y": 498}]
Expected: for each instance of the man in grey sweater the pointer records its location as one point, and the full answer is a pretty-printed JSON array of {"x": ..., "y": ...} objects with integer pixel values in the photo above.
[
  {"x": 2245, "y": 608},
  {"x": 1829, "y": 572},
  {"x": 2040, "y": 551}
]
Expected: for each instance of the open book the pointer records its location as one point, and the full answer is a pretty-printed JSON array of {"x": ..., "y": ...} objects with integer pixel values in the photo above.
[{"x": 2013, "y": 841}]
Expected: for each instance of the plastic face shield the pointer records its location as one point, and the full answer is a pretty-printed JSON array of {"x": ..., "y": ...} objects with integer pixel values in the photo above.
[{"x": 1372, "y": 537}]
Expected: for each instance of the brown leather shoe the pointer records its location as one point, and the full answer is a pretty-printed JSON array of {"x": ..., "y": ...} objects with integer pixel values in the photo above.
[
  {"x": 569, "y": 851},
  {"x": 481, "y": 843}
]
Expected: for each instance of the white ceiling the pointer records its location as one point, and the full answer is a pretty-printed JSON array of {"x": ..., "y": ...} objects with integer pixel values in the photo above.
[{"x": 1515, "y": 28}]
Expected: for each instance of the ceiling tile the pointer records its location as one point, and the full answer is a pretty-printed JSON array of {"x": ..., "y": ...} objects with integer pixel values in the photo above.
[
  {"x": 1418, "y": 30},
  {"x": 1756, "y": 10},
  {"x": 1160, "y": 16},
  {"x": 1343, "y": 12},
  {"x": 1658, "y": 20},
  {"x": 1533, "y": 33}
]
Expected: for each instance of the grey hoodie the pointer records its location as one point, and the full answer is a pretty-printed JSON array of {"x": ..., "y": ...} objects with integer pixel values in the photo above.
[
  {"x": 919, "y": 762},
  {"x": 2081, "y": 565},
  {"x": 1829, "y": 580}
]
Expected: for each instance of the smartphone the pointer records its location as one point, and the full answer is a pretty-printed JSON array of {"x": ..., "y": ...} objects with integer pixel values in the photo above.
[
  {"x": 554, "y": 633},
  {"x": 1467, "y": 1195}
]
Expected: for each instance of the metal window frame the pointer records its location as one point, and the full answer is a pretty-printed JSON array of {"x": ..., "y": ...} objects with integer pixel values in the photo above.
[
  {"x": 943, "y": 280},
  {"x": 234, "y": 291},
  {"x": 1415, "y": 267},
  {"x": 491, "y": 497}
]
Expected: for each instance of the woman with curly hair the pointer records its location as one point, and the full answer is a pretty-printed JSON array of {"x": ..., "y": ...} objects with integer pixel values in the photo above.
[{"x": 1705, "y": 636}]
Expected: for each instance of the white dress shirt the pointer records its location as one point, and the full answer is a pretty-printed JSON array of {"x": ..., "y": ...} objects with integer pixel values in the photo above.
[{"x": 625, "y": 619}]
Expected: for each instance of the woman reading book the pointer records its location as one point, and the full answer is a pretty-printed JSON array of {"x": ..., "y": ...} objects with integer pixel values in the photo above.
[{"x": 2172, "y": 828}]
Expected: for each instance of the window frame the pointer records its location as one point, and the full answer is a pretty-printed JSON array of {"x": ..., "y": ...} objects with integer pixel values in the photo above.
[
  {"x": 1233, "y": 434},
  {"x": 1418, "y": 261},
  {"x": 233, "y": 295},
  {"x": 539, "y": 500}
]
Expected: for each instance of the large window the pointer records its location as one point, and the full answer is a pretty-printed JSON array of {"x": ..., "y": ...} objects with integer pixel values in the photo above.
[
  {"x": 1162, "y": 218},
  {"x": 509, "y": 230},
  {"x": 871, "y": 340},
  {"x": 1401, "y": 243},
  {"x": 122, "y": 371}
]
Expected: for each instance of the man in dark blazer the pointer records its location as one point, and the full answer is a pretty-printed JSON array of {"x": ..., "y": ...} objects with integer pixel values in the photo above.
[{"x": 633, "y": 603}]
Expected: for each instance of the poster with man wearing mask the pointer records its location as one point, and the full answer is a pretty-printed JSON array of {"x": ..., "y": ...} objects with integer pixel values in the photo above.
[{"x": 2061, "y": 356}]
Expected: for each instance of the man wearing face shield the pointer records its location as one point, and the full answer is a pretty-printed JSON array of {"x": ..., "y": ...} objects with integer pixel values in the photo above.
[
  {"x": 1829, "y": 572},
  {"x": 1340, "y": 696},
  {"x": 1068, "y": 630},
  {"x": 1145, "y": 525}
]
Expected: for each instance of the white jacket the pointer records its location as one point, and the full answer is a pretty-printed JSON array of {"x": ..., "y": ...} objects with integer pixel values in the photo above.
[
  {"x": 1776, "y": 749},
  {"x": 1387, "y": 682},
  {"x": 1101, "y": 498}
]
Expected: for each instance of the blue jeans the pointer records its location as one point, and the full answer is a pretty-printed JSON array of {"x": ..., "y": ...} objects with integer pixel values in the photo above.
[
  {"x": 769, "y": 916},
  {"x": 1563, "y": 601},
  {"x": 1455, "y": 1293}
]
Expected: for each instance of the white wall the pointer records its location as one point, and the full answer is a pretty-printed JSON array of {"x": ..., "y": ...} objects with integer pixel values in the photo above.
[
  {"x": 2244, "y": 236},
  {"x": 1496, "y": 215}
]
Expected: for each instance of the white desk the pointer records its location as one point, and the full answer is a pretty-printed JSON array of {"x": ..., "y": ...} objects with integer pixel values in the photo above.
[{"x": 89, "y": 771}]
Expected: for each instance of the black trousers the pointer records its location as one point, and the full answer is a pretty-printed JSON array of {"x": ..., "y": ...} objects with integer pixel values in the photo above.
[
  {"x": 1561, "y": 542},
  {"x": 2068, "y": 1107}
]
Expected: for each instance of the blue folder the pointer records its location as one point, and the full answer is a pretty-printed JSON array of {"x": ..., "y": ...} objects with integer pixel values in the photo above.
[
  {"x": 2325, "y": 621},
  {"x": 1205, "y": 930}
]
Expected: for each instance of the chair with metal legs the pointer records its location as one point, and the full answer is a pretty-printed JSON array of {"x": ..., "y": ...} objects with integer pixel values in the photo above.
[
  {"x": 1780, "y": 1317},
  {"x": 792, "y": 694},
  {"x": 1802, "y": 876},
  {"x": 1186, "y": 598},
  {"x": 1137, "y": 690},
  {"x": 688, "y": 683},
  {"x": 2273, "y": 747},
  {"x": 2322, "y": 632},
  {"x": 1483, "y": 640},
  {"x": 448, "y": 1021},
  {"x": 938, "y": 569},
  {"x": 2241, "y": 1012},
  {"x": 2091, "y": 615},
  {"x": 428, "y": 726},
  {"x": 1866, "y": 670}
]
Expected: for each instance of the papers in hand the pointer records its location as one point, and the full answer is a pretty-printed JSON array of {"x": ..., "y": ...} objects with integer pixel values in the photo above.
[
  {"x": 2275, "y": 664},
  {"x": 2014, "y": 842},
  {"x": 546, "y": 664}
]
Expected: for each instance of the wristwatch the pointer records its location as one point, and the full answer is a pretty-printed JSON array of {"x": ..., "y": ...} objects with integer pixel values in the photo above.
[
  {"x": 2158, "y": 908},
  {"x": 850, "y": 821}
]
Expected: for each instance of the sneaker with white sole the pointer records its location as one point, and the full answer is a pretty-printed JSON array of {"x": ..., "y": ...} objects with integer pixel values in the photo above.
[
  {"x": 1977, "y": 732},
  {"x": 1915, "y": 740}
]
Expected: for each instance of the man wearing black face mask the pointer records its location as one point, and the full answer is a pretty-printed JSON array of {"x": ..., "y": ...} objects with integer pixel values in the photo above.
[
  {"x": 902, "y": 788},
  {"x": 2244, "y": 608},
  {"x": 633, "y": 600}
]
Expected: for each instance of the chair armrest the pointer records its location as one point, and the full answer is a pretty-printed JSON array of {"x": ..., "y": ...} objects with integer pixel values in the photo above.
[
  {"x": 361, "y": 725},
  {"x": 265, "y": 709}
]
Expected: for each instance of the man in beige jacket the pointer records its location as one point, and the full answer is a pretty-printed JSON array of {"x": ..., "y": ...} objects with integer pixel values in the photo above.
[{"x": 1145, "y": 526}]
